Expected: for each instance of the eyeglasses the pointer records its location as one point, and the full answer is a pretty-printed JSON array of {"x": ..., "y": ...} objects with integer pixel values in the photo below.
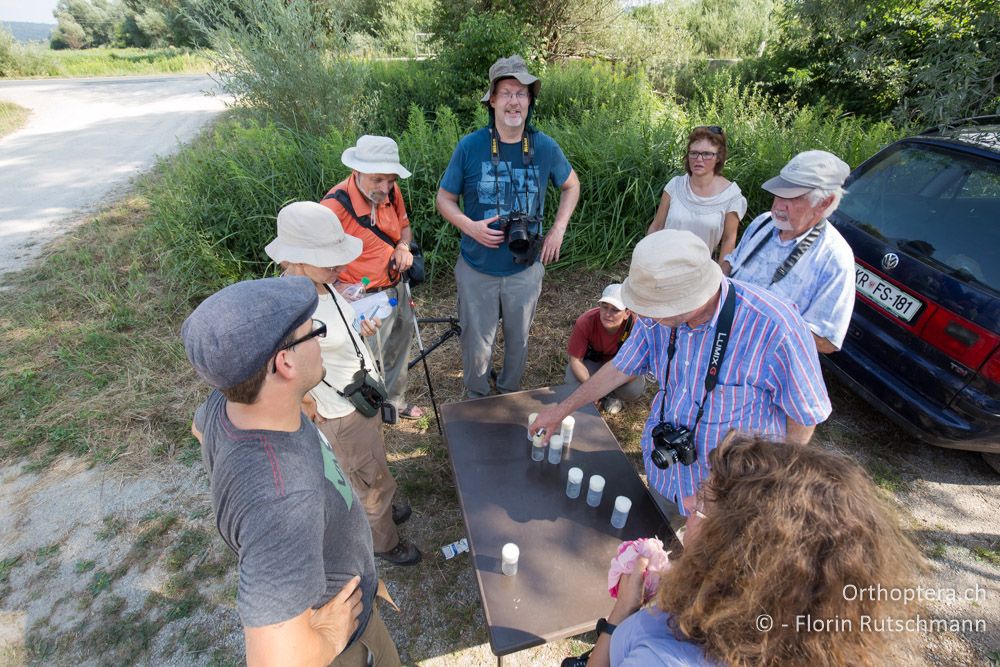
[
  {"x": 714, "y": 129},
  {"x": 507, "y": 96},
  {"x": 704, "y": 155},
  {"x": 318, "y": 331},
  {"x": 699, "y": 508}
]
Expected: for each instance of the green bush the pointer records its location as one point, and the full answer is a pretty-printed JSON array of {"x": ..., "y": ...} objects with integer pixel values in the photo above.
[
  {"x": 463, "y": 64},
  {"x": 217, "y": 203},
  {"x": 279, "y": 60}
]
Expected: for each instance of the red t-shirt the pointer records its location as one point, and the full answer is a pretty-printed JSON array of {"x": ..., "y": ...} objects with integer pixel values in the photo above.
[{"x": 588, "y": 332}]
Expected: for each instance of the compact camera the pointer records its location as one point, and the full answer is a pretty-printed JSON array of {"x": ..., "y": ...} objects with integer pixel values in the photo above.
[
  {"x": 673, "y": 444},
  {"x": 367, "y": 394},
  {"x": 521, "y": 242}
]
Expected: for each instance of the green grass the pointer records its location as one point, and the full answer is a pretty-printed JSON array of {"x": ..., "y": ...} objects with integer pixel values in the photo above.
[
  {"x": 990, "y": 554},
  {"x": 12, "y": 117},
  {"x": 35, "y": 60}
]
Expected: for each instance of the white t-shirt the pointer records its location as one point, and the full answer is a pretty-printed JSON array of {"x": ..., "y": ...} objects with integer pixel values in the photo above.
[
  {"x": 705, "y": 217},
  {"x": 339, "y": 358}
]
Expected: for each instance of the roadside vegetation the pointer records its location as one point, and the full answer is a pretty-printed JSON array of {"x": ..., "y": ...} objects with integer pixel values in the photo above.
[
  {"x": 91, "y": 365},
  {"x": 12, "y": 117},
  {"x": 36, "y": 60}
]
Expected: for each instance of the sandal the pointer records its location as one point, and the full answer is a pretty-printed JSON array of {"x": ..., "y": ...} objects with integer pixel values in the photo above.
[{"x": 412, "y": 412}]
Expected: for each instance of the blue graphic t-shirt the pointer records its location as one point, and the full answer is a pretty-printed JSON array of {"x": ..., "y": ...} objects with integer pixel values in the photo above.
[{"x": 510, "y": 186}]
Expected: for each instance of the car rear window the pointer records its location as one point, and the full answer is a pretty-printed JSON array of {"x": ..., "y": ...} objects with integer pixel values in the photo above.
[{"x": 940, "y": 207}]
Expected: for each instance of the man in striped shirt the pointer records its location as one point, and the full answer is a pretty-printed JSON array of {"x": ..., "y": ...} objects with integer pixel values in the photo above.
[{"x": 767, "y": 379}]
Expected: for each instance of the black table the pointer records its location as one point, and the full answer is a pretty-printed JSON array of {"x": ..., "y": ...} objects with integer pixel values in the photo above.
[{"x": 566, "y": 546}]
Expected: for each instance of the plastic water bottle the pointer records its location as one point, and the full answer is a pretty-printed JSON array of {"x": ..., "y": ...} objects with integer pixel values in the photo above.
[
  {"x": 378, "y": 305},
  {"x": 355, "y": 291}
]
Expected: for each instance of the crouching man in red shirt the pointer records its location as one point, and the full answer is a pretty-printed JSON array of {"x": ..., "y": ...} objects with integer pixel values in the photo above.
[{"x": 595, "y": 340}]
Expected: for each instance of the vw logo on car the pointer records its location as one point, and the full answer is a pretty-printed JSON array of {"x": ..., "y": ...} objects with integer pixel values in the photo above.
[{"x": 890, "y": 261}]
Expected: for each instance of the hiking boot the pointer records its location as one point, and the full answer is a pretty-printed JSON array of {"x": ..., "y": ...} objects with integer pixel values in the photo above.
[
  {"x": 400, "y": 513},
  {"x": 612, "y": 405},
  {"x": 404, "y": 553}
]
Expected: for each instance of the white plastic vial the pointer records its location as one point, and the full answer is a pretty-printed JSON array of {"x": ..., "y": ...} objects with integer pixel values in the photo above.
[
  {"x": 537, "y": 448},
  {"x": 620, "y": 515},
  {"x": 595, "y": 490},
  {"x": 555, "y": 449},
  {"x": 531, "y": 420},
  {"x": 574, "y": 480},
  {"x": 567, "y": 430},
  {"x": 508, "y": 559}
]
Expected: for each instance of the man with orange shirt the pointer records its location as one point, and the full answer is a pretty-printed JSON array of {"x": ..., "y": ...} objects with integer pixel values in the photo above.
[{"x": 370, "y": 206}]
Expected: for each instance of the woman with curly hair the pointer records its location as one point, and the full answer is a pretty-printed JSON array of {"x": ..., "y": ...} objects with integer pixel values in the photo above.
[
  {"x": 779, "y": 537},
  {"x": 702, "y": 200}
]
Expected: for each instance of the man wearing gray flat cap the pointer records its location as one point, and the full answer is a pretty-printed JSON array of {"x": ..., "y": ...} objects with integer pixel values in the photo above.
[
  {"x": 728, "y": 357},
  {"x": 370, "y": 206},
  {"x": 501, "y": 173},
  {"x": 307, "y": 579},
  {"x": 795, "y": 253}
]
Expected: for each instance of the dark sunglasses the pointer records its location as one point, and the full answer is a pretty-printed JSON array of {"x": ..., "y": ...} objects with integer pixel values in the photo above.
[
  {"x": 714, "y": 129},
  {"x": 318, "y": 331}
]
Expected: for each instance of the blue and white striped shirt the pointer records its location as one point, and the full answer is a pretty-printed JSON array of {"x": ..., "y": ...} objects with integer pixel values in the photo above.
[{"x": 771, "y": 371}]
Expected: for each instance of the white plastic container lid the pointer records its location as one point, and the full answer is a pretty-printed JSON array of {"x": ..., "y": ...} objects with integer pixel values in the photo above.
[
  {"x": 596, "y": 483},
  {"x": 510, "y": 553},
  {"x": 575, "y": 475},
  {"x": 623, "y": 504}
]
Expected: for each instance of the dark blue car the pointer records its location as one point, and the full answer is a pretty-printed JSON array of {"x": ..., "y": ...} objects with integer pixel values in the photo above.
[{"x": 923, "y": 219}]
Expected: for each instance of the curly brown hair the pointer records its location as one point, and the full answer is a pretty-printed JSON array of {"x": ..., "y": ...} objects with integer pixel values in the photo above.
[
  {"x": 716, "y": 136},
  {"x": 789, "y": 531}
]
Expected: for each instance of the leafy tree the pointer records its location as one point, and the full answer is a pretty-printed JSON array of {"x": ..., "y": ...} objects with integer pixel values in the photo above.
[
  {"x": 931, "y": 61},
  {"x": 83, "y": 24}
]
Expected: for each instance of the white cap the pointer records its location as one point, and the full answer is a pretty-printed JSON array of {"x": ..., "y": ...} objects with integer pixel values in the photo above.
[
  {"x": 532, "y": 417},
  {"x": 623, "y": 504},
  {"x": 808, "y": 171},
  {"x": 575, "y": 475},
  {"x": 555, "y": 442},
  {"x": 510, "y": 553},
  {"x": 568, "y": 422},
  {"x": 596, "y": 483},
  {"x": 613, "y": 295}
]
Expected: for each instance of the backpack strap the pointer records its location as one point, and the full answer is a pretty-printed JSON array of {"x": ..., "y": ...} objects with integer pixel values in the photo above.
[{"x": 344, "y": 199}]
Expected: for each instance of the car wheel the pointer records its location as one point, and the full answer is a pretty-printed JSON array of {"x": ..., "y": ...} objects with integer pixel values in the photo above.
[{"x": 993, "y": 460}]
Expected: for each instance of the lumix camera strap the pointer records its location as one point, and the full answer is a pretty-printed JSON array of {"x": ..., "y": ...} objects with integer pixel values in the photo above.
[
  {"x": 793, "y": 257},
  {"x": 723, "y": 328}
]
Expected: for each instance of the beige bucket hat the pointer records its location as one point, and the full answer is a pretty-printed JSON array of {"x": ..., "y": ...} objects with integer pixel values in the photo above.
[
  {"x": 375, "y": 155},
  {"x": 672, "y": 273},
  {"x": 513, "y": 67},
  {"x": 310, "y": 233}
]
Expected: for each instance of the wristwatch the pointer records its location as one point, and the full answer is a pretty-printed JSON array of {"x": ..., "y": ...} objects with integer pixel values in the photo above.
[{"x": 604, "y": 626}]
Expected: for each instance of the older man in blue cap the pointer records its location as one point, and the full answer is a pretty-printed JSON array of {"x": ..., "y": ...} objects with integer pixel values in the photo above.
[{"x": 307, "y": 579}]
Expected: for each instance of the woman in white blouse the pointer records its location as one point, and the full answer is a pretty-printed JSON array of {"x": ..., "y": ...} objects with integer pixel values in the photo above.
[{"x": 703, "y": 201}]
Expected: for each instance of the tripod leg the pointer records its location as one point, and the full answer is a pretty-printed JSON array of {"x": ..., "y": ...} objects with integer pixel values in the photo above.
[{"x": 423, "y": 356}]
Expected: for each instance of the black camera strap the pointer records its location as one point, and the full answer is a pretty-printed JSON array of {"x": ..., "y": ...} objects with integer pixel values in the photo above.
[
  {"x": 793, "y": 257},
  {"x": 350, "y": 334},
  {"x": 527, "y": 156},
  {"x": 723, "y": 327}
]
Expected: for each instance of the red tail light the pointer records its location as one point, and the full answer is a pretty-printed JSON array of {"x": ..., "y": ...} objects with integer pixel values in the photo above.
[
  {"x": 991, "y": 370},
  {"x": 967, "y": 343}
]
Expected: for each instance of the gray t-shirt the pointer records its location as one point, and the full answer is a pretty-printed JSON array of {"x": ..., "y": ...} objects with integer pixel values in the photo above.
[{"x": 285, "y": 507}]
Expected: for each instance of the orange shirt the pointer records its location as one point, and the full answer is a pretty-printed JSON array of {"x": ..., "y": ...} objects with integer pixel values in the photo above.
[{"x": 373, "y": 262}]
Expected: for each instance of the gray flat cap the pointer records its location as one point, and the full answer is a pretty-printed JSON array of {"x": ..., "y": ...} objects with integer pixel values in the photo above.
[{"x": 232, "y": 334}]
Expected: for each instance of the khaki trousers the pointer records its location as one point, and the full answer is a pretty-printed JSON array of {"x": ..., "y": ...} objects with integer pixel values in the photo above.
[
  {"x": 374, "y": 641},
  {"x": 360, "y": 449}
]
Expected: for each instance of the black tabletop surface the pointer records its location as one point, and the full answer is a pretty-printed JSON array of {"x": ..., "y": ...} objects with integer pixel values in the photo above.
[{"x": 566, "y": 546}]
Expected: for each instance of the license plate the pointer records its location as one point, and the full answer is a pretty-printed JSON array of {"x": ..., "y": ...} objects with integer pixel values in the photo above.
[{"x": 887, "y": 296}]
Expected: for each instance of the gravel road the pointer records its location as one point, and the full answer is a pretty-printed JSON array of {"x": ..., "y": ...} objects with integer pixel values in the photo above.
[{"x": 83, "y": 143}]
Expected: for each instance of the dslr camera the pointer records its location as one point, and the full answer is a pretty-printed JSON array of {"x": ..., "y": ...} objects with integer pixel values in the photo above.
[
  {"x": 521, "y": 242},
  {"x": 673, "y": 444}
]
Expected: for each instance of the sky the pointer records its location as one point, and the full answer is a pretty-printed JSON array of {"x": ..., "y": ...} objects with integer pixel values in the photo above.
[{"x": 35, "y": 11}]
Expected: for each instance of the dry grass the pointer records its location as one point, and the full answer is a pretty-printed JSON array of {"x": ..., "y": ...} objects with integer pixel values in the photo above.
[{"x": 12, "y": 118}]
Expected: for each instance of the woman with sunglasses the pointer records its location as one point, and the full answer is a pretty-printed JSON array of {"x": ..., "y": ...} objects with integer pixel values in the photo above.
[
  {"x": 312, "y": 243},
  {"x": 702, "y": 200},
  {"x": 780, "y": 550}
]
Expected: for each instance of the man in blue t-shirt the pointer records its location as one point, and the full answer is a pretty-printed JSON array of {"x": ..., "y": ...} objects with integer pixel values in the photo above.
[{"x": 498, "y": 170}]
